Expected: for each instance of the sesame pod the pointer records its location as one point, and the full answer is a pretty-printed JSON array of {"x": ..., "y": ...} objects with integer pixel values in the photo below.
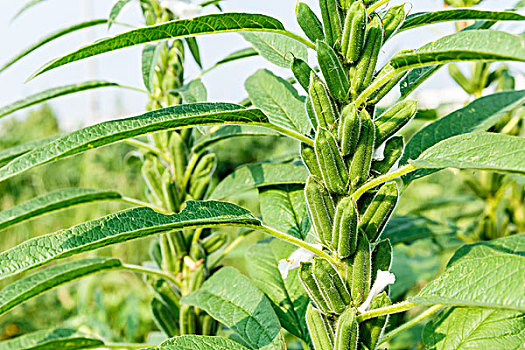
[
  {"x": 201, "y": 176},
  {"x": 363, "y": 72},
  {"x": 214, "y": 242},
  {"x": 332, "y": 21},
  {"x": 170, "y": 192},
  {"x": 310, "y": 112},
  {"x": 354, "y": 32},
  {"x": 319, "y": 328},
  {"x": 349, "y": 129},
  {"x": 371, "y": 329},
  {"x": 322, "y": 209},
  {"x": 208, "y": 325},
  {"x": 153, "y": 179},
  {"x": 333, "y": 72},
  {"x": 331, "y": 163},
  {"x": 362, "y": 158},
  {"x": 178, "y": 153},
  {"x": 160, "y": 139},
  {"x": 382, "y": 91},
  {"x": 361, "y": 270},
  {"x": 310, "y": 160},
  {"x": 379, "y": 211},
  {"x": 187, "y": 320},
  {"x": 199, "y": 187},
  {"x": 324, "y": 108},
  {"x": 344, "y": 235},
  {"x": 381, "y": 258},
  {"x": 197, "y": 278},
  {"x": 197, "y": 252},
  {"x": 164, "y": 318},
  {"x": 311, "y": 287},
  {"x": 347, "y": 331},
  {"x": 331, "y": 285},
  {"x": 302, "y": 72},
  {"x": 394, "y": 147},
  {"x": 394, "y": 119},
  {"x": 392, "y": 20},
  {"x": 309, "y": 23}
]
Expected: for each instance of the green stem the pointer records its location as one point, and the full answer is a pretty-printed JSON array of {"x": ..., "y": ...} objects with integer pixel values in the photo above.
[
  {"x": 189, "y": 169},
  {"x": 376, "y": 84},
  {"x": 140, "y": 203},
  {"x": 427, "y": 313},
  {"x": 133, "y": 88},
  {"x": 376, "y": 6},
  {"x": 227, "y": 251},
  {"x": 291, "y": 133},
  {"x": 384, "y": 178},
  {"x": 148, "y": 271},
  {"x": 147, "y": 147},
  {"x": 392, "y": 309}
]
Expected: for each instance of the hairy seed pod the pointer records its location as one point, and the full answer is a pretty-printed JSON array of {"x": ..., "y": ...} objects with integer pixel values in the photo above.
[
  {"x": 160, "y": 139},
  {"x": 379, "y": 211},
  {"x": 371, "y": 329},
  {"x": 322, "y": 209},
  {"x": 383, "y": 90},
  {"x": 361, "y": 270},
  {"x": 347, "y": 331},
  {"x": 310, "y": 160},
  {"x": 310, "y": 112},
  {"x": 394, "y": 119},
  {"x": 332, "y": 21},
  {"x": 214, "y": 242},
  {"x": 171, "y": 192},
  {"x": 324, "y": 108},
  {"x": 362, "y": 158},
  {"x": 306, "y": 276},
  {"x": 349, "y": 129},
  {"x": 179, "y": 155},
  {"x": 394, "y": 147},
  {"x": 197, "y": 277},
  {"x": 363, "y": 72},
  {"x": 187, "y": 320},
  {"x": 354, "y": 32},
  {"x": 208, "y": 325},
  {"x": 393, "y": 19},
  {"x": 331, "y": 163},
  {"x": 309, "y": 23},
  {"x": 201, "y": 176},
  {"x": 331, "y": 286},
  {"x": 333, "y": 72},
  {"x": 164, "y": 318},
  {"x": 197, "y": 252},
  {"x": 381, "y": 258},
  {"x": 319, "y": 328},
  {"x": 302, "y": 72},
  {"x": 344, "y": 235},
  {"x": 153, "y": 179}
]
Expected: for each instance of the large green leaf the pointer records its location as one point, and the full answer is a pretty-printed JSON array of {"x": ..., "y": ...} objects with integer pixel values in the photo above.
[
  {"x": 276, "y": 48},
  {"x": 233, "y": 300},
  {"x": 288, "y": 296},
  {"x": 279, "y": 100},
  {"x": 50, "y": 202},
  {"x": 59, "y": 338},
  {"x": 479, "y": 115},
  {"x": 51, "y": 37},
  {"x": 53, "y": 93},
  {"x": 182, "y": 116},
  {"x": 257, "y": 175},
  {"x": 193, "y": 92},
  {"x": 208, "y": 24},
  {"x": 403, "y": 229},
  {"x": 463, "y": 14},
  {"x": 470, "y": 328},
  {"x": 481, "y": 150},
  {"x": 488, "y": 275},
  {"x": 9, "y": 154},
  {"x": 117, "y": 228},
  {"x": 199, "y": 342},
  {"x": 42, "y": 281}
]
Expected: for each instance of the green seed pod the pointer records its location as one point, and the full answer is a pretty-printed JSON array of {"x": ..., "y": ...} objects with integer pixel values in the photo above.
[
  {"x": 310, "y": 160},
  {"x": 320, "y": 330},
  {"x": 332, "y": 21},
  {"x": 214, "y": 242},
  {"x": 354, "y": 32},
  {"x": 379, "y": 211},
  {"x": 153, "y": 179},
  {"x": 160, "y": 139},
  {"x": 201, "y": 176},
  {"x": 208, "y": 325},
  {"x": 331, "y": 286},
  {"x": 178, "y": 153},
  {"x": 164, "y": 318},
  {"x": 302, "y": 72},
  {"x": 309, "y": 23},
  {"x": 361, "y": 270},
  {"x": 187, "y": 320},
  {"x": 394, "y": 147},
  {"x": 331, "y": 163},
  {"x": 310, "y": 112},
  {"x": 324, "y": 108},
  {"x": 322, "y": 209},
  {"x": 344, "y": 235},
  {"x": 381, "y": 258},
  {"x": 197, "y": 252},
  {"x": 362, "y": 159},
  {"x": 371, "y": 329},
  {"x": 197, "y": 277},
  {"x": 393, "y": 19},
  {"x": 310, "y": 285},
  {"x": 170, "y": 192},
  {"x": 169, "y": 254},
  {"x": 363, "y": 72},
  {"x": 333, "y": 72},
  {"x": 394, "y": 119},
  {"x": 378, "y": 94},
  {"x": 347, "y": 331},
  {"x": 349, "y": 129}
]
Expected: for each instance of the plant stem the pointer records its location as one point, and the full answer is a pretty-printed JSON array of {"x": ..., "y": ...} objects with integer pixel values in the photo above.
[
  {"x": 291, "y": 133},
  {"x": 411, "y": 323},
  {"x": 133, "y": 88},
  {"x": 140, "y": 203},
  {"x": 384, "y": 178},
  {"x": 147, "y": 147},
  {"x": 376, "y": 84},
  {"x": 227, "y": 251},
  {"x": 376, "y": 6},
  {"x": 148, "y": 271},
  {"x": 392, "y": 309},
  {"x": 296, "y": 37}
]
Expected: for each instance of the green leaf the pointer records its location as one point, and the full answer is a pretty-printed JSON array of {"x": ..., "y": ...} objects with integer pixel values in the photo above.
[
  {"x": 50, "y": 202},
  {"x": 9, "y": 154},
  {"x": 208, "y": 24},
  {"x": 488, "y": 274},
  {"x": 182, "y": 116},
  {"x": 233, "y": 300},
  {"x": 193, "y": 92},
  {"x": 415, "y": 78},
  {"x": 288, "y": 296},
  {"x": 479, "y": 115},
  {"x": 481, "y": 151},
  {"x": 403, "y": 229},
  {"x": 284, "y": 207},
  {"x": 117, "y": 228},
  {"x": 276, "y": 48},
  {"x": 193, "y": 46},
  {"x": 58, "y": 338},
  {"x": 44, "y": 280},
  {"x": 50, "y": 94},
  {"x": 199, "y": 342},
  {"x": 463, "y": 14},
  {"x": 115, "y": 11},
  {"x": 150, "y": 57},
  {"x": 51, "y": 37},
  {"x": 469, "y": 328},
  {"x": 279, "y": 100},
  {"x": 26, "y": 7},
  {"x": 257, "y": 175}
]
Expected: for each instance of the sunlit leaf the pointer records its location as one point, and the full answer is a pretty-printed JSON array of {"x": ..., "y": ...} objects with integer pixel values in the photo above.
[
  {"x": 276, "y": 48},
  {"x": 59, "y": 338}
]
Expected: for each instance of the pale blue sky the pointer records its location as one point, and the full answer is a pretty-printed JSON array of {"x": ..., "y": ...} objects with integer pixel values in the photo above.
[{"x": 224, "y": 84}]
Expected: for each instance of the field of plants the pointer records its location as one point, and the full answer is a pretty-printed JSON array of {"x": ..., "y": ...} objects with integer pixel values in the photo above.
[{"x": 328, "y": 206}]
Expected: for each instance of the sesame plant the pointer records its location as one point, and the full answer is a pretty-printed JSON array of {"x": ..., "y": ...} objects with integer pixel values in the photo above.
[{"x": 332, "y": 204}]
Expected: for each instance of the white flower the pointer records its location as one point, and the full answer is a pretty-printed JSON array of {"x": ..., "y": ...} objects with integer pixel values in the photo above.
[
  {"x": 295, "y": 259},
  {"x": 182, "y": 8},
  {"x": 383, "y": 279}
]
